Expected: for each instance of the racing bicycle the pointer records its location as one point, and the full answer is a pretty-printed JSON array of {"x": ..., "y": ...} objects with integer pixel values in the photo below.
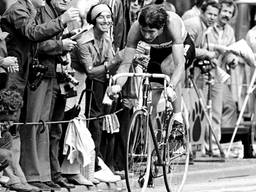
[{"x": 151, "y": 151}]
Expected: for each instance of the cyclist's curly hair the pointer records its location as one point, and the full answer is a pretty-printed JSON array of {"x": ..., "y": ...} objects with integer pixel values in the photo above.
[
  {"x": 10, "y": 101},
  {"x": 153, "y": 16}
]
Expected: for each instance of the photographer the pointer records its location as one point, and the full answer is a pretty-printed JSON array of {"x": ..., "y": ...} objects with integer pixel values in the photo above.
[
  {"x": 220, "y": 36},
  {"x": 214, "y": 45},
  {"x": 19, "y": 21},
  {"x": 39, "y": 157}
]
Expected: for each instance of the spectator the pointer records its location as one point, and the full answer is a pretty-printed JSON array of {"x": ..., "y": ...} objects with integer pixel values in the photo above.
[
  {"x": 96, "y": 56},
  {"x": 44, "y": 102},
  {"x": 251, "y": 40},
  {"x": 117, "y": 30},
  {"x": 73, "y": 171},
  {"x": 213, "y": 44},
  {"x": 8, "y": 64},
  {"x": 219, "y": 37},
  {"x": 19, "y": 21},
  {"x": 135, "y": 7},
  {"x": 10, "y": 105},
  {"x": 194, "y": 11},
  {"x": 198, "y": 25}
]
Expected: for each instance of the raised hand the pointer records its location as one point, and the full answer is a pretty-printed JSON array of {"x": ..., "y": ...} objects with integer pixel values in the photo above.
[{"x": 72, "y": 14}]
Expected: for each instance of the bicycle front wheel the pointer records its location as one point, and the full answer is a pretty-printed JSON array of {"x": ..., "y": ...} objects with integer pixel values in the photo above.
[
  {"x": 138, "y": 152},
  {"x": 176, "y": 157}
]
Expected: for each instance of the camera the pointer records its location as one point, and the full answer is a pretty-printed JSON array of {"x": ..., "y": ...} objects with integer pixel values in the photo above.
[
  {"x": 204, "y": 64},
  {"x": 66, "y": 77},
  {"x": 63, "y": 59},
  {"x": 36, "y": 75},
  {"x": 67, "y": 90},
  {"x": 67, "y": 82}
]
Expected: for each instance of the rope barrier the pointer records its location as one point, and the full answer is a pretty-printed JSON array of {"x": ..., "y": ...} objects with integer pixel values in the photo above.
[
  {"x": 62, "y": 122},
  {"x": 243, "y": 85}
]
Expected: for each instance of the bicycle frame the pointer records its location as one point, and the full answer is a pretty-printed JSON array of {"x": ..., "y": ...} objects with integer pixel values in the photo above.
[
  {"x": 166, "y": 153},
  {"x": 146, "y": 89}
]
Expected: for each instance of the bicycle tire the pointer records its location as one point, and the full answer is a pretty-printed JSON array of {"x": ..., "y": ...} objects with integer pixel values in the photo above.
[
  {"x": 138, "y": 152},
  {"x": 176, "y": 156}
]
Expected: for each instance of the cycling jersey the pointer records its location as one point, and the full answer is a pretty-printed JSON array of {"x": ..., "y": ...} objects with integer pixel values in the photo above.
[{"x": 157, "y": 55}]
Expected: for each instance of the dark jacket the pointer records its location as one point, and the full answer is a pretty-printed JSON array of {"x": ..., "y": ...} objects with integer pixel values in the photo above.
[
  {"x": 19, "y": 22},
  {"x": 49, "y": 50}
]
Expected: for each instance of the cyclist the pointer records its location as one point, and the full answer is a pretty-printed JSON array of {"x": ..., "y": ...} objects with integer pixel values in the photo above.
[{"x": 165, "y": 32}]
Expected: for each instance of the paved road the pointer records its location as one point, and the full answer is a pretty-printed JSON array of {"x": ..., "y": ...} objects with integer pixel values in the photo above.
[{"x": 228, "y": 176}]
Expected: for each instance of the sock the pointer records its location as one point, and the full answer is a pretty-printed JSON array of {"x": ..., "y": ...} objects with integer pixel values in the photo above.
[{"x": 178, "y": 117}]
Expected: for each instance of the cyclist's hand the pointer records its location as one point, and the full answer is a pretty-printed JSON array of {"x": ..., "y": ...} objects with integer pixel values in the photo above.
[
  {"x": 113, "y": 91},
  {"x": 141, "y": 59},
  {"x": 171, "y": 94}
]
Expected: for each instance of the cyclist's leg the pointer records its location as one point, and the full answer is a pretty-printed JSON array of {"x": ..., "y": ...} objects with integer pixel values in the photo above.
[
  {"x": 178, "y": 124},
  {"x": 156, "y": 94}
]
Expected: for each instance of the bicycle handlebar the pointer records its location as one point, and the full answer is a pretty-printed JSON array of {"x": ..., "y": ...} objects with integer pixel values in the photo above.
[{"x": 151, "y": 75}]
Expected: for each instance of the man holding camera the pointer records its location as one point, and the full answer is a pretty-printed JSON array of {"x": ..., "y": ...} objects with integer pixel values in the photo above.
[
  {"x": 212, "y": 44},
  {"x": 219, "y": 37},
  {"x": 24, "y": 33},
  {"x": 39, "y": 158},
  {"x": 19, "y": 21}
]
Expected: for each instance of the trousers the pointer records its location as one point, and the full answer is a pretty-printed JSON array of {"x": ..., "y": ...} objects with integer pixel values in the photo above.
[{"x": 35, "y": 159}]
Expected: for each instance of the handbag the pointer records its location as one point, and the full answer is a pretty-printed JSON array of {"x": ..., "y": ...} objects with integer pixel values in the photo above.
[{"x": 130, "y": 88}]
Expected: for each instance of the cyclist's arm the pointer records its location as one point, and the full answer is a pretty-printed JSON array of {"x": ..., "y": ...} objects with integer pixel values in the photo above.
[
  {"x": 129, "y": 52},
  {"x": 175, "y": 28}
]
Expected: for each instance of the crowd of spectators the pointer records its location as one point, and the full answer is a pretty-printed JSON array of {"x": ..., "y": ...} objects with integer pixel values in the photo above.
[{"x": 55, "y": 63}]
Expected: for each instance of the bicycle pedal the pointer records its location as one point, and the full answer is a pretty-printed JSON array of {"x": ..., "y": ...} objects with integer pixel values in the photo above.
[
  {"x": 141, "y": 181},
  {"x": 151, "y": 183}
]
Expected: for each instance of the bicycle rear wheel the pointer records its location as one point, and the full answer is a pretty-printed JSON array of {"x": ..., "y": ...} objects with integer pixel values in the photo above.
[
  {"x": 138, "y": 152},
  {"x": 176, "y": 156}
]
